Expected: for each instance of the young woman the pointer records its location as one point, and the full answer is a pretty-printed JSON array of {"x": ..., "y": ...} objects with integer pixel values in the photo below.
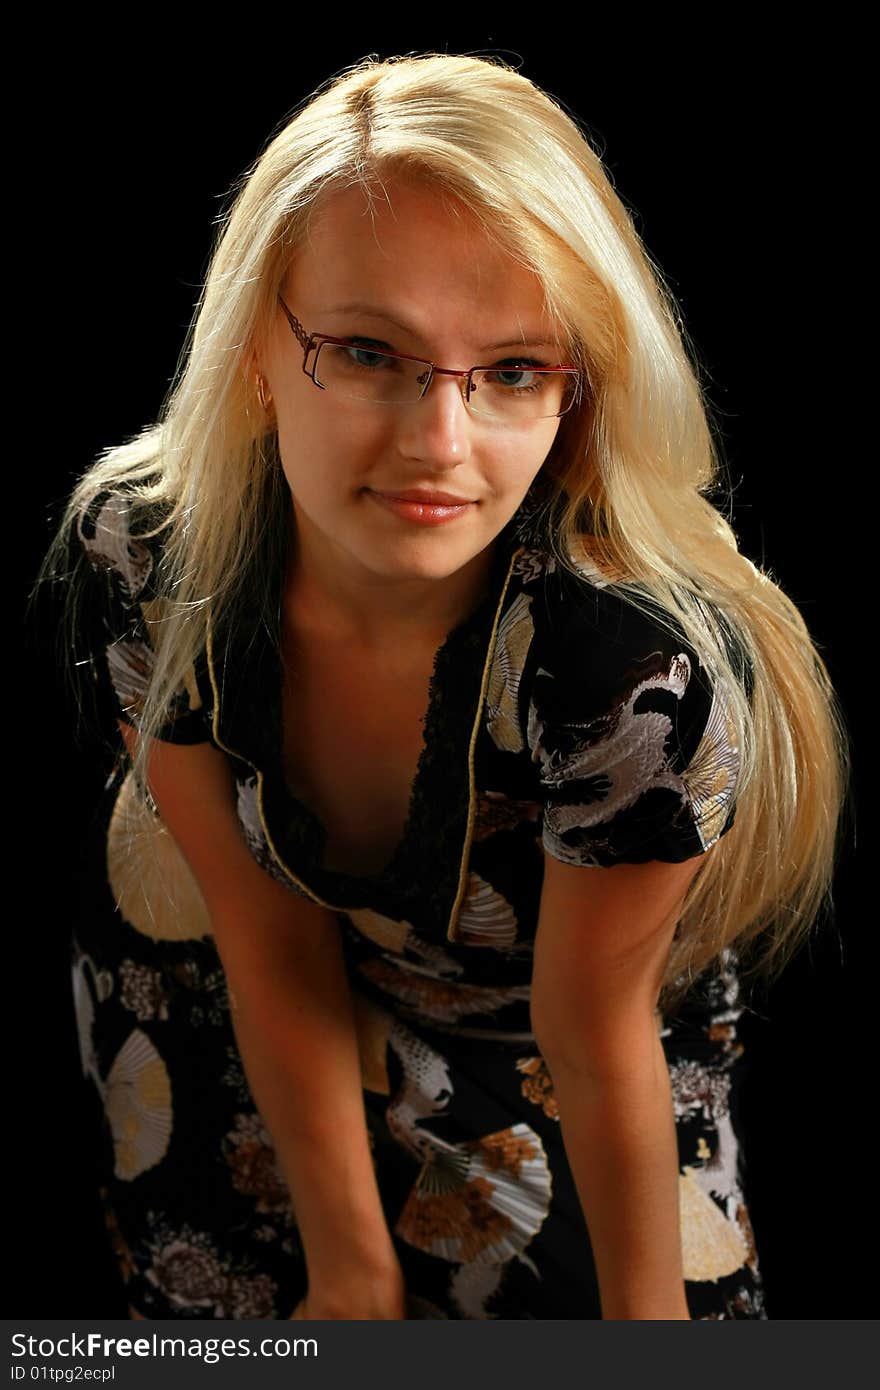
[{"x": 465, "y": 763}]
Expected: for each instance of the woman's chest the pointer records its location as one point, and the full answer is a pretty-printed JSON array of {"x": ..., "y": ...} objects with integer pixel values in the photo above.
[{"x": 352, "y": 738}]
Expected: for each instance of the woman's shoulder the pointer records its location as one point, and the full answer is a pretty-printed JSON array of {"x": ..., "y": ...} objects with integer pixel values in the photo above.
[
  {"x": 578, "y": 645},
  {"x": 122, "y": 607},
  {"x": 587, "y": 619},
  {"x": 632, "y": 740},
  {"x": 121, "y": 534}
]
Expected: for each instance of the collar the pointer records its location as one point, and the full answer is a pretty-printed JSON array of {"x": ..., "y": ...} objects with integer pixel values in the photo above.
[{"x": 245, "y": 673}]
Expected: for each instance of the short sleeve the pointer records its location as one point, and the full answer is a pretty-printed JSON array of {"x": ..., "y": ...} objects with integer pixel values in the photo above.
[
  {"x": 116, "y": 574},
  {"x": 636, "y": 752}
]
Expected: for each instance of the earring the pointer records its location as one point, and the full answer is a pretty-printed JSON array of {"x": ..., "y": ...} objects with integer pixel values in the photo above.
[{"x": 264, "y": 395}]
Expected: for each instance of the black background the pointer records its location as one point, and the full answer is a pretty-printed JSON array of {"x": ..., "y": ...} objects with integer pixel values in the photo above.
[{"x": 716, "y": 145}]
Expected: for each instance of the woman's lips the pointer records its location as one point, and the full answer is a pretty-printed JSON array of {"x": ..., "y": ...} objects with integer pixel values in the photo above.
[{"x": 423, "y": 513}]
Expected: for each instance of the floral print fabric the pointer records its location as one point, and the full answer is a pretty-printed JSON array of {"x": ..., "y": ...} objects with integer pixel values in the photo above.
[{"x": 562, "y": 722}]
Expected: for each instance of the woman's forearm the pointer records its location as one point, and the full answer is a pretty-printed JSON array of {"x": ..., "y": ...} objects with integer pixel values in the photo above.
[
  {"x": 620, "y": 1140},
  {"x": 294, "y": 1024},
  {"x": 292, "y": 1016}
]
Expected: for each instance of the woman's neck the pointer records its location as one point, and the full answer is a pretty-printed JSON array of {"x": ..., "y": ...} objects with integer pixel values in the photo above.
[{"x": 377, "y": 611}]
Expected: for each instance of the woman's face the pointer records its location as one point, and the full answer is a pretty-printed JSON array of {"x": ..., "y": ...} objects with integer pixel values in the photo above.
[{"x": 431, "y": 284}]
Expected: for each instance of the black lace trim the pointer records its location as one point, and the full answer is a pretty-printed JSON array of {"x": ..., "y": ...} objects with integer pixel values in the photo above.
[{"x": 421, "y": 880}]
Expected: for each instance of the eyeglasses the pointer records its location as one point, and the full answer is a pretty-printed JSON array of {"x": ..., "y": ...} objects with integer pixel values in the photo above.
[{"x": 510, "y": 392}]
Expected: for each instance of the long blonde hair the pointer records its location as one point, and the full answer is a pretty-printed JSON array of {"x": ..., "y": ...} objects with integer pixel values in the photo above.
[{"x": 633, "y": 468}]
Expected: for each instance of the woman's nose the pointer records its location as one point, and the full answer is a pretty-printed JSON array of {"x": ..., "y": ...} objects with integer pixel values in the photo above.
[{"x": 438, "y": 428}]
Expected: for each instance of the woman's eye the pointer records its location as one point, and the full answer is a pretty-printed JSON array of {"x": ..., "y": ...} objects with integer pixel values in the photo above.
[
  {"x": 516, "y": 374},
  {"x": 366, "y": 357}
]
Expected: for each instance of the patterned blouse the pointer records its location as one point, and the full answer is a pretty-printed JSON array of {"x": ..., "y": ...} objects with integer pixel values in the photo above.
[{"x": 561, "y": 721}]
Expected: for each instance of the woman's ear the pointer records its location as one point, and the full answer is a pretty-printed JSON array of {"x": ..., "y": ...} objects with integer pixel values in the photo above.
[
  {"x": 251, "y": 365},
  {"x": 255, "y": 382}
]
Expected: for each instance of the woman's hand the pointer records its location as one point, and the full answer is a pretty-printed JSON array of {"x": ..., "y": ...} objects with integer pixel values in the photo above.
[{"x": 358, "y": 1305}]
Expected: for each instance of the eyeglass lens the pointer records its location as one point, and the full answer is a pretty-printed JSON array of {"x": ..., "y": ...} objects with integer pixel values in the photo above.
[{"x": 513, "y": 392}]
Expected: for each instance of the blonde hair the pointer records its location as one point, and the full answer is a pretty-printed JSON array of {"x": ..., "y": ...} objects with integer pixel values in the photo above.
[{"x": 632, "y": 468}]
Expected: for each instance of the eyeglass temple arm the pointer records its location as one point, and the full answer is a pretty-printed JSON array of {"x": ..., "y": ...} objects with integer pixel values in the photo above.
[{"x": 301, "y": 334}]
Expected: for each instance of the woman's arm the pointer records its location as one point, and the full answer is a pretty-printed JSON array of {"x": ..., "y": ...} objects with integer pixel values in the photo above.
[
  {"x": 292, "y": 1015},
  {"x": 602, "y": 943}
]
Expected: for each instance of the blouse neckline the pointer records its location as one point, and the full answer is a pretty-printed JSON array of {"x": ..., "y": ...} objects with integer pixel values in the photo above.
[{"x": 246, "y": 674}]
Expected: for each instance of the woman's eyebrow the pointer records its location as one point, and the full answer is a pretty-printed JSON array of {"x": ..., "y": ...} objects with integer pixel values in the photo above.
[{"x": 373, "y": 311}]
